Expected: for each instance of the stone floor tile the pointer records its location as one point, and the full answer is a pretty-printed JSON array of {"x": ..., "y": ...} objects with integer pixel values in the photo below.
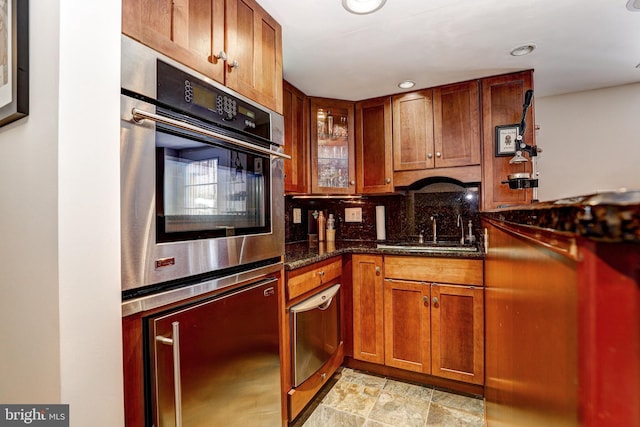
[
  {"x": 400, "y": 410},
  {"x": 456, "y": 401},
  {"x": 358, "y": 377},
  {"x": 353, "y": 398},
  {"x": 444, "y": 416},
  {"x": 407, "y": 389}
]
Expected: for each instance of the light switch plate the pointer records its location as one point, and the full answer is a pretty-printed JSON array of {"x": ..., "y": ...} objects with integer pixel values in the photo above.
[
  {"x": 353, "y": 214},
  {"x": 297, "y": 215}
]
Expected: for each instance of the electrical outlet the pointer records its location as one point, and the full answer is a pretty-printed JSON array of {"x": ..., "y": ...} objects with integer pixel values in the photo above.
[
  {"x": 297, "y": 215},
  {"x": 353, "y": 214}
]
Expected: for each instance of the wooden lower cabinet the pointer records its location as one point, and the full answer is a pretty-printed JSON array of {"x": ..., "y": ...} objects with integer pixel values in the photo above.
[
  {"x": 407, "y": 329},
  {"x": 405, "y": 319},
  {"x": 457, "y": 332},
  {"x": 368, "y": 309}
]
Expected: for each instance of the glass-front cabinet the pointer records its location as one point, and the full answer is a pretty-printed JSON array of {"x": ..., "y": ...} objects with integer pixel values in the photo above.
[{"x": 332, "y": 147}]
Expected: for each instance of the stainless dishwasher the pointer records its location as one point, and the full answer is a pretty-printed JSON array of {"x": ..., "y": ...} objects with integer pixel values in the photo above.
[{"x": 315, "y": 330}]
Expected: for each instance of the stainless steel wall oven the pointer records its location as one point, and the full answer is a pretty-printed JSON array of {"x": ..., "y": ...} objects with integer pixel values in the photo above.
[{"x": 201, "y": 176}]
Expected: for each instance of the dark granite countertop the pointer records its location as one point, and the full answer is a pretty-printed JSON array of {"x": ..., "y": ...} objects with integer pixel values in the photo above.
[
  {"x": 610, "y": 217},
  {"x": 301, "y": 254}
]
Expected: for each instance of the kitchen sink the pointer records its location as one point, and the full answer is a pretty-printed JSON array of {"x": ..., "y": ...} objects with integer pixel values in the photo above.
[{"x": 429, "y": 247}]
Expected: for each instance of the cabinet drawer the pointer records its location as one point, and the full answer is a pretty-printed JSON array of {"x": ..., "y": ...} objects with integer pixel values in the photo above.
[
  {"x": 308, "y": 278},
  {"x": 431, "y": 269}
]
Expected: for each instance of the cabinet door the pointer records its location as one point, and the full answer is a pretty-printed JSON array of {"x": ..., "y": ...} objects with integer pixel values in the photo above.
[
  {"x": 502, "y": 99},
  {"x": 413, "y": 131},
  {"x": 189, "y": 31},
  {"x": 456, "y": 118},
  {"x": 407, "y": 325},
  {"x": 457, "y": 328},
  {"x": 374, "y": 166},
  {"x": 296, "y": 131},
  {"x": 368, "y": 315},
  {"x": 332, "y": 147},
  {"x": 254, "y": 51}
]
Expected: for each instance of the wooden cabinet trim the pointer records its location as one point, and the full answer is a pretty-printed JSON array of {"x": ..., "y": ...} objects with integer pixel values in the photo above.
[{"x": 432, "y": 269}]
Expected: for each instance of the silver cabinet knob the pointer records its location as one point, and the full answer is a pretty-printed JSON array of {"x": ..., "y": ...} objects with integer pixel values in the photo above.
[
  {"x": 435, "y": 301},
  {"x": 352, "y": 182},
  {"x": 438, "y": 154},
  {"x": 430, "y": 156},
  {"x": 388, "y": 180},
  {"x": 425, "y": 299},
  {"x": 234, "y": 64},
  {"x": 221, "y": 55},
  {"x": 378, "y": 270}
]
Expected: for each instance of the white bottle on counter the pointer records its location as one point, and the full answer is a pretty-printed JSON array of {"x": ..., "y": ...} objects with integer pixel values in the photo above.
[{"x": 331, "y": 231}]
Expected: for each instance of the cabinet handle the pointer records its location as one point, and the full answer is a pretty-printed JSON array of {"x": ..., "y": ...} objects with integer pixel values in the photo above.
[
  {"x": 221, "y": 55},
  {"x": 234, "y": 64},
  {"x": 177, "y": 383},
  {"x": 352, "y": 182},
  {"x": 378, "y": 270},
  {"x": 430, "y": 156},
  {"x": 388, "y": 180},
  {"x": 435, "y": 302},
  {"x": 321, "y": 273},
  {"x": 438, "y": 154},
  {"x": 425, "y": 299}
]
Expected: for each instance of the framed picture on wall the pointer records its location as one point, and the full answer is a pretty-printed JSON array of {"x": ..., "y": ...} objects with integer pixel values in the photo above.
[
  {"x": 506, "y": 140},
  {"x": 14, "y": 60}
]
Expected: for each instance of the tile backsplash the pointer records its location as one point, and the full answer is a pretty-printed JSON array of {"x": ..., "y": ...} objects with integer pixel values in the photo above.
[{"x": 406, "y": 214}]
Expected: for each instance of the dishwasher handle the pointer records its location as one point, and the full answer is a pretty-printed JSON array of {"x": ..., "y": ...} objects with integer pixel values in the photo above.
[{"x": 321, "y": 300}]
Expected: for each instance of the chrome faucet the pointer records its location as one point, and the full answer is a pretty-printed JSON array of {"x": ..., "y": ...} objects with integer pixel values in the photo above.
[
  {"x": 435, "y": 229},
  {"x": 420, "y": 237},
  {"x": 460, "y": 223}
]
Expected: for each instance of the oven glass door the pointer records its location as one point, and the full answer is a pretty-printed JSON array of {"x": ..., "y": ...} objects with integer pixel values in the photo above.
[{"x": 205, "y": 189}]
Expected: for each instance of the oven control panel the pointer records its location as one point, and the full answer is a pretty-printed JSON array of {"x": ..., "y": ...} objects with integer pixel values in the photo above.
[{"x": 182, "y": 91}]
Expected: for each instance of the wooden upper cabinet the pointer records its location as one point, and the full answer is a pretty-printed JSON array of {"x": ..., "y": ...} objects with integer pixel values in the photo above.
[
  {"x": 296, "y": 140},
  {"x": 413, "y": 131},
  {"x": 456, "y": 118},
  {"x": 234, "y": 42},
  {"x": 332, "y": 146},
  {"x": 502, "y": 99},
  {"x": 374, "y": 165},
  {"x": 254, "y": 53},
  {"x": 189, "y": 31}
]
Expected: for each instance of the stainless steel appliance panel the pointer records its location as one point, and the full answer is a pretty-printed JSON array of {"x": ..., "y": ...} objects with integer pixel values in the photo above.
[
  {"x": 217, "y": 363},
  {"x": 145, "y": 260},
  {"x": 315, "y": 332}
]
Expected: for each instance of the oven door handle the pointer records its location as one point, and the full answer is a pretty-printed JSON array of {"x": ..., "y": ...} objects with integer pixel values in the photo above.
[
  {"x": 321, "y": 300},
  {"x": 141, "y": 115}
]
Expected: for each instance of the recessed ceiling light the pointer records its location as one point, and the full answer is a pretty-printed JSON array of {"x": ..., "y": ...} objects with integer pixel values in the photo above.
[
  {"x": 524, "y": 49},
  {"x": 633, "y": 5},
  {"x": 407, "y": 84},
  {"x": 362, "y": 7}
]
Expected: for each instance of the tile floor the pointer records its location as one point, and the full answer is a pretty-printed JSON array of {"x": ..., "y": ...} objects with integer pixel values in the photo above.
[{"x": 358, "y": 399}]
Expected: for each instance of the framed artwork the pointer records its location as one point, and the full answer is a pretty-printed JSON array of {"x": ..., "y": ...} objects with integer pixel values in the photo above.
[
  {"x": 14, "y": 60},
  {"x": 506, "y": 140}
]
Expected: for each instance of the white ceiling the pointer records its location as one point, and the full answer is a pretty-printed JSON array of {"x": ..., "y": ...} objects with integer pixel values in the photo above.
[{"x": 581, "y": 44}]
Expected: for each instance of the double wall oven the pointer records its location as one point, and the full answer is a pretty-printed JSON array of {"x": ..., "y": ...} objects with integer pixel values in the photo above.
[{"x": 202, "y": 196}]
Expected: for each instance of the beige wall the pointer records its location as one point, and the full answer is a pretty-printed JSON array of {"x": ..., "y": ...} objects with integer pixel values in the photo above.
[
  {"x": 591, "y": 141},
  {"x": 59, "y": 190}
]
